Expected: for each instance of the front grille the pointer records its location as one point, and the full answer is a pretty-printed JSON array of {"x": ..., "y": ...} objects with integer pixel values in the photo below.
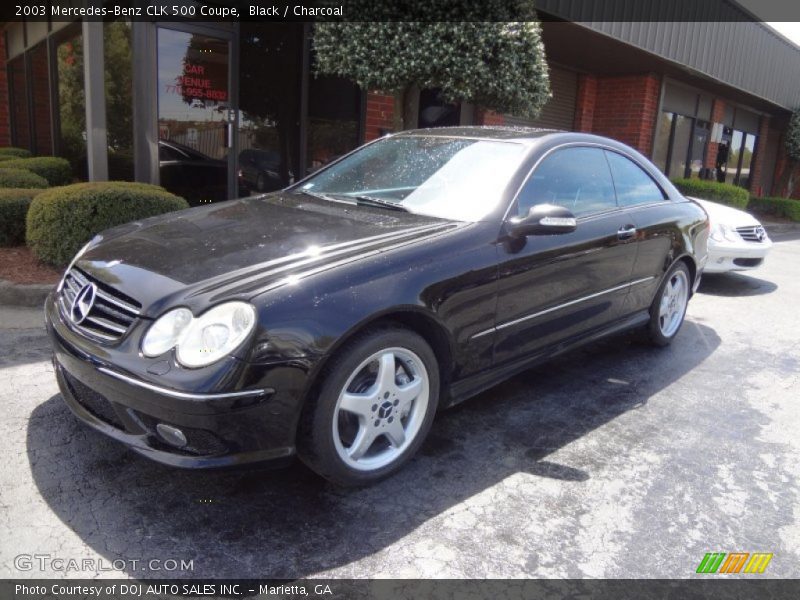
[
  {"x": 94, "y": 402},
  {"x": 110, "y": 315},
  {"x": 755, "y": 233}
]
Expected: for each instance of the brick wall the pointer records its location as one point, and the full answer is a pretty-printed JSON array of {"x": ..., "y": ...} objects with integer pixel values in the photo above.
[
  {"x": 5, "y": 123},
  {"x": 585, "y": 100},
  {"x": 380, "y": 115},
  {"x": 625, "y": 109},
  {"x": 757, "y": 167}
]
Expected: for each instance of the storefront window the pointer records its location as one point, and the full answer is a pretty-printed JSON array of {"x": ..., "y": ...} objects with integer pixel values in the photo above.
[
  {"x": 71, "y": 103},
  {"x": 734, "y": 148},
  {"x": 747, "y": 159},
  {"x": 680, "y": 146},
  {"x": 19, "y": 102},
  {"x": 435, "y": 112},
  {"x": 269, "y": 96},
  {"x": 661, "y": 146},
  {"x": 118, "y": 61},
  {"x": 333, "y": 116},
  {"x": 193, "y": 104},
  {"x": 40, "y": 97},
  {"x": 697, "y": 152}
]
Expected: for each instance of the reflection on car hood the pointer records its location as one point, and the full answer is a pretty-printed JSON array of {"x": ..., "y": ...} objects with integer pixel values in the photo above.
[
  {"x": 244, "y": 247},
  {"x": 733, "y": 217}
]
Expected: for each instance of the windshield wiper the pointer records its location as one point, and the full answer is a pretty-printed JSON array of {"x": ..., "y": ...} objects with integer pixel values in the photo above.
[
  {"x": 379, "y": 202},
  {"x": 319, "y": 195}
]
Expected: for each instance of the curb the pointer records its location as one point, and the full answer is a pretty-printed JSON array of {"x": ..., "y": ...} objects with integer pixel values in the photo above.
[
  {"x": 17, "y": 294},
  {"x": 772, "y": 228}
]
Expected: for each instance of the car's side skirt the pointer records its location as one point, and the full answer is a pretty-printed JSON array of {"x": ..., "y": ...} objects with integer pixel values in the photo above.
[{"x": 470, "y": 386}]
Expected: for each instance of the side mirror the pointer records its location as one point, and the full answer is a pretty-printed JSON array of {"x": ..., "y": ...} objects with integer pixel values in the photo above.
[{"x": 543, "y": 219}]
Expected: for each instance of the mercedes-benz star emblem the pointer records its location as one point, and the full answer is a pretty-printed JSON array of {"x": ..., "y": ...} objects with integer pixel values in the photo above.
[
  {"x": 762, "y": 235},
  {"x": 83, "y": 303}
]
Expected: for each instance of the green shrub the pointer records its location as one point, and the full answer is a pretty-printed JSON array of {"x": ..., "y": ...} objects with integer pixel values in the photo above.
[
  {"x": 14, "y": 205},
  {"x": 15, "y": 152},
  {"x": 57, "y": 171},
  {"x": 63, "y": 219},
  {"x": 21, "y": 178},
  {"x": 8, "y": 157},
  {"x": 778, "y": 207},
  {"x": 724, "y": 193}
]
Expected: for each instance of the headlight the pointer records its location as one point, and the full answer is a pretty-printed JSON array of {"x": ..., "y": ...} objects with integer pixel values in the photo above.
[
  {"x": 720, "y": 232},
  {"x": 166, "y": 332},
  {"x": 216, "y": 333},
  {"x": 203, "y": 340}
]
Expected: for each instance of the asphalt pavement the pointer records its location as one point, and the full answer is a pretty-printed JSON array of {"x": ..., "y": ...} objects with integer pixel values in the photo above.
[{"x": 618, "y": 460}]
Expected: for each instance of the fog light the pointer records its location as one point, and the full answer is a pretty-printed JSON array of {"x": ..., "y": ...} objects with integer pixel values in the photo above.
[{"x": 171, "y": 435}]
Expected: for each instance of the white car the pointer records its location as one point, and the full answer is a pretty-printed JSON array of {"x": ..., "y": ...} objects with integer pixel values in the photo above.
[{"x": 738, "y": 242}]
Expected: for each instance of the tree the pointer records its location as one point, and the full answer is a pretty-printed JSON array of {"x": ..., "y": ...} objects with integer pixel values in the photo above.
[
  {"x": 792, "y": 146},
  {"x": 496, "y": 65}
]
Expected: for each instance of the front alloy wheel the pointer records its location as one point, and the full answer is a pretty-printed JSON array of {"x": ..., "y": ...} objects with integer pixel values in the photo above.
[{"x": 374, "y": 410}]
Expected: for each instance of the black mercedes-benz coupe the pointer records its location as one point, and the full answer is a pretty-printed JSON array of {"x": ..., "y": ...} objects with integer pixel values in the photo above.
[{"x": 334, "y": 318}]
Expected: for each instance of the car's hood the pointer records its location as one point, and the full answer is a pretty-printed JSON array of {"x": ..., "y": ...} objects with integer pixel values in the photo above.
[
  {"x": 244, "y": 247},
  {"x": 733, "y": 217}
]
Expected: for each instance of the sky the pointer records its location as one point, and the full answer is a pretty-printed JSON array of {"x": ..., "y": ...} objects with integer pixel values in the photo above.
[{"x": 789, "y": 29}]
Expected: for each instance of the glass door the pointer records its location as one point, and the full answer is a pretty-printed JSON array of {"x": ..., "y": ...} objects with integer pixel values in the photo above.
[{"x": 195, "y": 133}]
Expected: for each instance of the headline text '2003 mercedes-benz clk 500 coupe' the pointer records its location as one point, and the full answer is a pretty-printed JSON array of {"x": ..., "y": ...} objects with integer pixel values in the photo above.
[{"x": 331, "y": 320}]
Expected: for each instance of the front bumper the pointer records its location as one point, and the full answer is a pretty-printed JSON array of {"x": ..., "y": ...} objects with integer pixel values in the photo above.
[
  {"x": 736, "y": 256},
  {"x": 221, "y": 427}
]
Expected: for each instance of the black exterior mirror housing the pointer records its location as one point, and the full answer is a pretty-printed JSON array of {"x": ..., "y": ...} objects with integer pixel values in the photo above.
[{"x": 543, "y": 219}]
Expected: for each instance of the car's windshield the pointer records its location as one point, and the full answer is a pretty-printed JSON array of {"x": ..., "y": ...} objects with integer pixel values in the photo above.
[{"x": 451, "y": 178}]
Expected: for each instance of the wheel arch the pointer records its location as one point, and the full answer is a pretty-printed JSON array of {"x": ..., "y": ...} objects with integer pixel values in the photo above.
[
  {"x": 691, "y": 265},
  {"x": 413, "y": 318}
]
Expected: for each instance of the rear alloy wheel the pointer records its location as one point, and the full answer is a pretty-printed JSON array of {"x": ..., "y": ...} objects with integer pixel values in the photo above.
[
  {"x": 374, "y": 410},
  {"x": 669, "y": 306}
]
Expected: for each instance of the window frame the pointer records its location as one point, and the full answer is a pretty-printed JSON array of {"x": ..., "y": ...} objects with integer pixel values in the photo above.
[{"x": 514, "y": 204}]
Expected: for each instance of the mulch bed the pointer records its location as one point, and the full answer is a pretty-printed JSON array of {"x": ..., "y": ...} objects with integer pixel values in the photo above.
[{"x": 19, "y": 265}]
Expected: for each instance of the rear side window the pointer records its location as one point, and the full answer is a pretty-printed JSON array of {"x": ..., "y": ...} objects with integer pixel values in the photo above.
[
  {"x": 576, "y": 178},
  {"x": 633, "y": 184}
]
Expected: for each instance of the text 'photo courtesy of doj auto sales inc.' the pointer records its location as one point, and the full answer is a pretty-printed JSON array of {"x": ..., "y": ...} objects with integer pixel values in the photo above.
[{"x": 82, "y": 589}]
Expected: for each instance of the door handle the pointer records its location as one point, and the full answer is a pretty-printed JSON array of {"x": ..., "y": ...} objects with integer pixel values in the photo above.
[{"x": 626, "y": 232}]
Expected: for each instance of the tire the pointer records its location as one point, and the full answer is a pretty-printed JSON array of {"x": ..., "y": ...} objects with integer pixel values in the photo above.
[
  {"x": 367, "y": 421},
  {"x": 669, "y": 305}
]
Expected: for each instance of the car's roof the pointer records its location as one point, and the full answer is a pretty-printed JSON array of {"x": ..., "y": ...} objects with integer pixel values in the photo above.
[{"x": 488, "y": 132}]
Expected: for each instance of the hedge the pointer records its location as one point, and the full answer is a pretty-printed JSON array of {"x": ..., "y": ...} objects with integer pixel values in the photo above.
[
  {"x": 14, "y": 205},
  {"x": 57, "y": 171},
  {"x": 778, "y": 207},
  {"x": 724, "y": 193},
  {"x": 15, "y": 152},
  {"x": 63, "y": 219},
  {"x": 21, "y": 178}
]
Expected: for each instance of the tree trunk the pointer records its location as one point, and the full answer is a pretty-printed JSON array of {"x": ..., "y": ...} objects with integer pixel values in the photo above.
[
  {"x": 787, "y": 180},
  {"x": 411, "y": 107},
  {"x": 406, "y": 108}
]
